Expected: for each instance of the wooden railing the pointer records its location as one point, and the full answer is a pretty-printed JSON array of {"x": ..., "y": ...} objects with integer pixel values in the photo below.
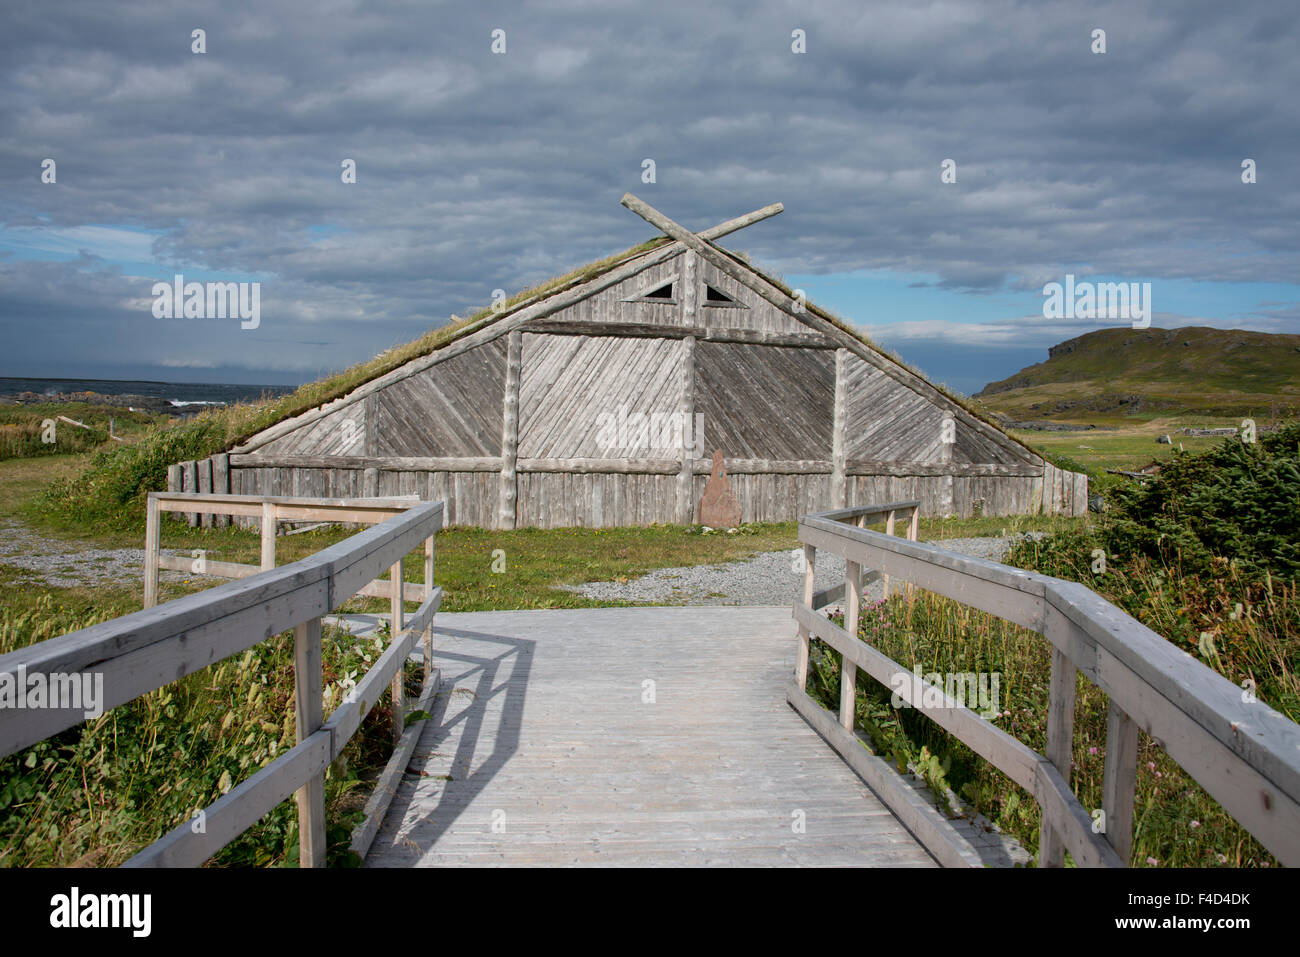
[
  {"x": 270, "y": 510},
  {"x": 144, "y": 651},
  {"x": 1242, "y": 752}
]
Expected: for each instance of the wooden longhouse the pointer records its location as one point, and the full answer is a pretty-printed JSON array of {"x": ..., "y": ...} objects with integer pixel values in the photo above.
[{"x": 532, "y": 416}]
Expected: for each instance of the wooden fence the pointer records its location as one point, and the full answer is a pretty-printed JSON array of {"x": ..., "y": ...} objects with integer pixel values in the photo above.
[
  {"x": 149, "y": 649},
  {"x": 1242, "y": 752},
  {"x": 268, "y": 511}
]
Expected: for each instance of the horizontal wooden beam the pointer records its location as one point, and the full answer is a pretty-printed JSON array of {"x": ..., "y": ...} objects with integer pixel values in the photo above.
[
  {"x": 765, "y": 466},
  {"x": 379, "y": 588},
  {"x": 149, "y": 649},
  {"x": 235, "y": 812},
  {"x": 758, "y": 337},
  {"x": 395, "y": 463},
  {"x": 613, "y": 465},
  {"x": 470, "y": 337},
  {"x": 927, "y": 824},
  {"x": 1243, "y": 753},
  {"x": 388, "y": 463},
  {"x": 1009, "y": 593},
  {"x": 722, "y": 334},
  {"x": 577, "y": 327},
  {"x": 347, "y": 717},
  {"x": 1021, "y": 763},
  {"x": 385, "y": 789},
  {"x": 1009, "y": 755},
  {"x": 872, "y": 513},
  {"x": 740, "y": 222},
  {"x": 958, "y": 469}
]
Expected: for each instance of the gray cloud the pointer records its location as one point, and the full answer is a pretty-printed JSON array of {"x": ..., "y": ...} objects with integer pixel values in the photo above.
[{"x": 478, "y": 171}]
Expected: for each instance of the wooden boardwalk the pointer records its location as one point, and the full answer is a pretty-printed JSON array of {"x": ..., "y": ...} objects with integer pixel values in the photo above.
[{"x": 545, "y": 750}]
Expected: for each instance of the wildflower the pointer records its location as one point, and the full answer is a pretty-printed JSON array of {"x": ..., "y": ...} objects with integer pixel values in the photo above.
[
  {"x": 1151, "y": 765},
  {"x": 1152, "y": 862},
  {"x": 1222, "y": 858},
  {"x": 1195, "y": 824},
  {"x": 1092, "y": 750}
]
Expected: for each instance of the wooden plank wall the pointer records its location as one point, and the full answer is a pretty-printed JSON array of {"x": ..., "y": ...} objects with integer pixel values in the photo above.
[
  {"x": 561, "y": 499},
  {"x": 765, "y": 402},
  {"x": 568, "y": 382},
  {"x": 769, "y": 405},
  {"x": 453, "y": 409},
  {"x": 888, "y": 422}
]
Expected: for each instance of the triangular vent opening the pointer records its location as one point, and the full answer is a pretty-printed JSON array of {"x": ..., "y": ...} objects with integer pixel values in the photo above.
[
  {"x": 716, "y": 295},
  {"x": 663, "y": 292}
]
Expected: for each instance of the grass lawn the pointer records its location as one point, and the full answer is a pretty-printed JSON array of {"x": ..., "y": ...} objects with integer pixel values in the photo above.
[
  {"x": 1127, "y": 443},
  {"x": 534, "y": 560}
]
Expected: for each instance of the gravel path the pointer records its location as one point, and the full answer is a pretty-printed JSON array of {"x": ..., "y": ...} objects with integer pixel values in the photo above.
[
  {"x": 69, "y": 564},
  {"x": 770, "y": 578}
]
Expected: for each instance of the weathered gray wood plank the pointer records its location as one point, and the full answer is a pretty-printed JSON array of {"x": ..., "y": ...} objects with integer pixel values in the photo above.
[{"x": 545, "y": 750}]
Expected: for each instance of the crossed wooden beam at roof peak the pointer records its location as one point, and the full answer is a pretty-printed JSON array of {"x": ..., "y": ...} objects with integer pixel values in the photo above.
[
  {"x": 700, "y": 244},
  {"x": 675, "y": 231}
]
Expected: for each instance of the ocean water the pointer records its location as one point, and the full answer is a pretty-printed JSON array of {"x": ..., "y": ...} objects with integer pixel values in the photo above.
[{"x": 179, "y": 394}]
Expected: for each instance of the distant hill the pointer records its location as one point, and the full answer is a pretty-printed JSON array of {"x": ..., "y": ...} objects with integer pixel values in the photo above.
[{"x": 1132, "y": 371}]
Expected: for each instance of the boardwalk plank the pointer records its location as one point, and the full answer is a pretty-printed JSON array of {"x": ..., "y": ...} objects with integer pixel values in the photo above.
[{"x": 542, "y": 752}]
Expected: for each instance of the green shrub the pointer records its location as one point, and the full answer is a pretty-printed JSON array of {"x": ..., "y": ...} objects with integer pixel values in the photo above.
[
  {"x": 1236, "y": 503},
  {"x": 97, "y": 793}
]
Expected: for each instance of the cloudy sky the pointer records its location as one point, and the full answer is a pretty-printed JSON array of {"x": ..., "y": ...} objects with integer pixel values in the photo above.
[{"x": 478, "y": 170}]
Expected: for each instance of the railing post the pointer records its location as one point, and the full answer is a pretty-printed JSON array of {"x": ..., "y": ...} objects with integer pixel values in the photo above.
[
  {"x": 151, "y": 552},
  {"x": 1060, "y": 741},
  {"x": 268, "y": 535},
  {"x": 913, "y": 532},
  {"x": 1119, "y": 781},
  {"x": 849, "y": 670},
  {"x": 395, "y": 625},
  {"x": 307, "y": 694},
  {"x": 809, "y": 567},
  {"x": 428, "y": 590},
  {"x": 889, "y": 530}
]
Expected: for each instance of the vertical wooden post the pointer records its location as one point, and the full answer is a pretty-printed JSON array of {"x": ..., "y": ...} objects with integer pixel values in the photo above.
[
  {"x": 1060, "y": 741},
  {"x": 686, "y": 408},
  {"x": 190, "y": 482},
  {"x": 508, "y": 510},
  {"x": 428, "y": 590},
  {"x": 801, "y": 665},
  {"x": 370, "y": 421},
  {"x": 221, "y": 483},
  {"x": 370, "y": 482},
  {"x": 307, "y": 696},
  {"x": 839, "y": 480},
  {"x": 268, "y": 535},
  {"x": 889, "y": 530},
  {"x": 849, "y": 670},
  {"x": 205, "y": 488},
  {"x": 1119, "y": 781},
  {"x": 396, "y": 623},
  {"x": 151, "y": 551},
  {"x": 913, "y": 534}
]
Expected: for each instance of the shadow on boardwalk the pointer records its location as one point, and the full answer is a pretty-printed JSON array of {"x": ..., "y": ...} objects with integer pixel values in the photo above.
[{"x": 628, "y": 736}]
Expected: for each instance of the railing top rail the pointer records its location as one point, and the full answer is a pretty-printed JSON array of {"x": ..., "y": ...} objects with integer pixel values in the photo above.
[
  {"x": 145, "y": 650},
  {"x": 1074, "y": 617},
  {"x": 211, "y": 498},
  {"x": 857, "y": 511}
]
